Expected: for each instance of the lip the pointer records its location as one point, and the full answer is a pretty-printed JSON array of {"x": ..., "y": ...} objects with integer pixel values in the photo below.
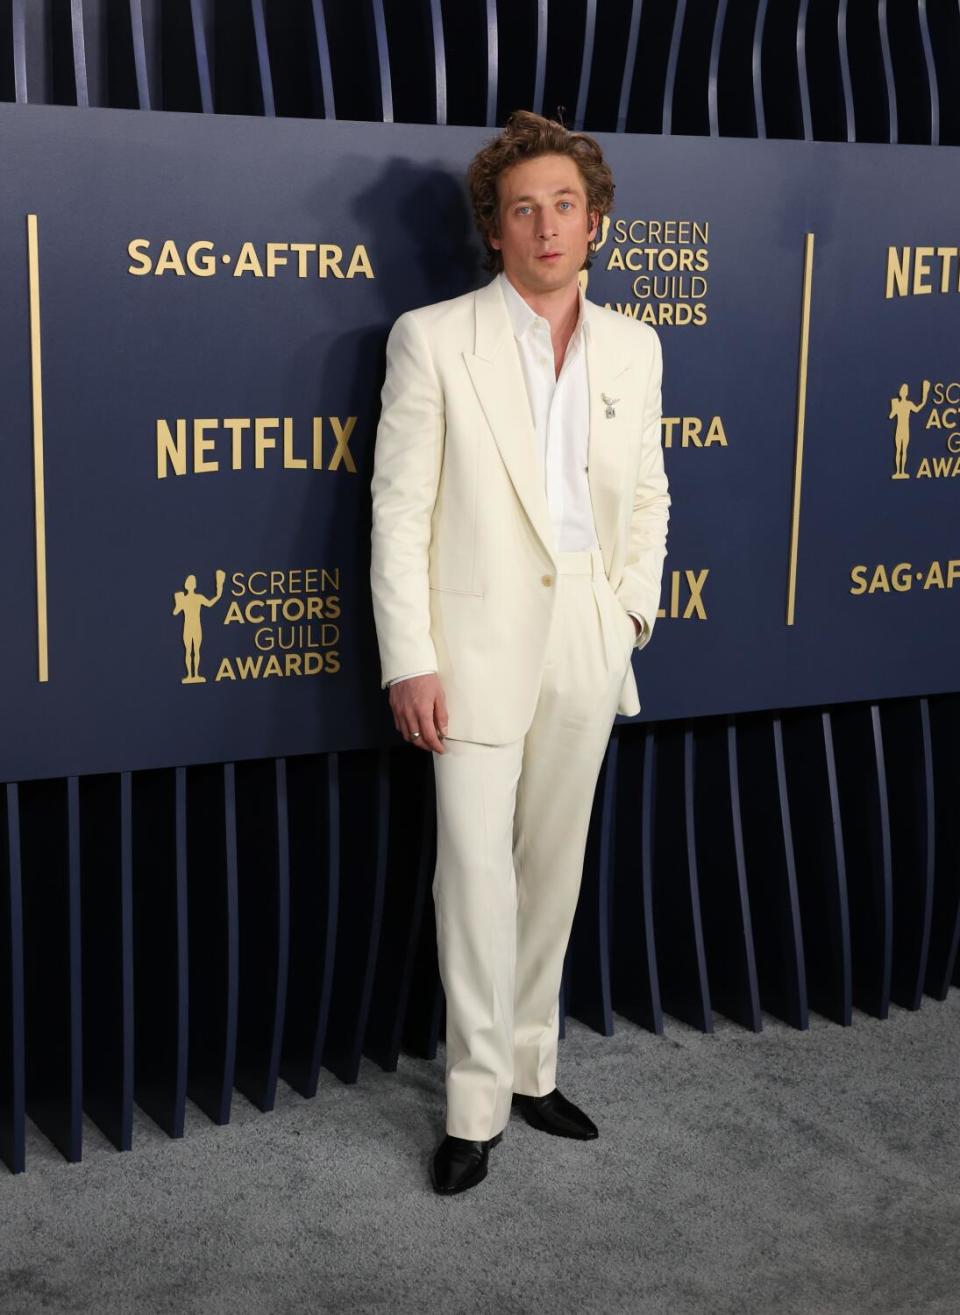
[{"x": 550, "y": 255}]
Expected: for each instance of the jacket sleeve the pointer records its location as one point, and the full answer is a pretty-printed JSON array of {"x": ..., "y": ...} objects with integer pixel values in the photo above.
[
  {"x": 406, "y": 474},
  {"x": 639, "y": 589}
]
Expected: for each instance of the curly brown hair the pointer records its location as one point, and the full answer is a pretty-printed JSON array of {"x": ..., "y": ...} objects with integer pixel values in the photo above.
[{"x": 525, "y": 136}]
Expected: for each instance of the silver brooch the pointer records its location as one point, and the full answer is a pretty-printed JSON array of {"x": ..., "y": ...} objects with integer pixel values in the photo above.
[{"x": 609, "y": 401}]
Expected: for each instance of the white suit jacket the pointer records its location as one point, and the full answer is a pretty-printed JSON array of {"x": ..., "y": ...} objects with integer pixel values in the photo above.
[{"x": 463, "y": 559}]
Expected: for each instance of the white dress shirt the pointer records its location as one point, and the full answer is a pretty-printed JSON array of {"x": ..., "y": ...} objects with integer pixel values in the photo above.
[{"x": 560, "y": 411}]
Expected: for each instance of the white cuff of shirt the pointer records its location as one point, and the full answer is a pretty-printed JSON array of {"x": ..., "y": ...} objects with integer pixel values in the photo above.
[{"x": 410, "y": 674}]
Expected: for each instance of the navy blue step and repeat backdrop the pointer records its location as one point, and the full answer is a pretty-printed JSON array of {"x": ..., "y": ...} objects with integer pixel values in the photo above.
[{"x": 192, "y": 345}]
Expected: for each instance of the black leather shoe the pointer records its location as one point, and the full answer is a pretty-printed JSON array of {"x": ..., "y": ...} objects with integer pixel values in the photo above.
[
  {"x": 554, "y": 1113},
  {"x": 458, "y": 1163}
]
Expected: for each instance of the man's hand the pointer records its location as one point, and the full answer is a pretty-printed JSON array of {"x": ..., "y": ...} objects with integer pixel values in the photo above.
[{"x": 419, "y": 704}]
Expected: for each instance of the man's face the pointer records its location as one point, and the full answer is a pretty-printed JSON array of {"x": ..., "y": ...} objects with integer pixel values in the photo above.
[{"x": 544, "y": 223}]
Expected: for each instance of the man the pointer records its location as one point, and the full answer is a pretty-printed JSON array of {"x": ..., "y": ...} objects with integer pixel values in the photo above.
[{"x": 520, "y": 512}]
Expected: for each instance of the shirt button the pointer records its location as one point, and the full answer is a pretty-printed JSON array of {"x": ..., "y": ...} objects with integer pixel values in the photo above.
[{"x": 546, "y": 579}]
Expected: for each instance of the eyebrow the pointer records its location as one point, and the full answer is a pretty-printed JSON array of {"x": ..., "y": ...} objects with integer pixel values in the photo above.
[{"x": 560, "y": 191}]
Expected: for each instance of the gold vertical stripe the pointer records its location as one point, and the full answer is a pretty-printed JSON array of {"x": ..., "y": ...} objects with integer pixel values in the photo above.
[
  {"x": 801, "y": 417},
  {"x": 33, "y": 272}
]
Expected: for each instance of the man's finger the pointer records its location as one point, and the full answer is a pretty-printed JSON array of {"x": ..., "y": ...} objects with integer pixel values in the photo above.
[
  {"x": 440, "y": 713},
  {"x": 428, "y": 738}
]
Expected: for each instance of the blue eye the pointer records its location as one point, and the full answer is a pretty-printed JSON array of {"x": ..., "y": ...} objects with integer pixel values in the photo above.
[{"x": 566, "y": 203}]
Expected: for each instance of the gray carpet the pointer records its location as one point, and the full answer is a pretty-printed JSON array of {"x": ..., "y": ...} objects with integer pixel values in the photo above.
[{"x": 789, "y": 1172}]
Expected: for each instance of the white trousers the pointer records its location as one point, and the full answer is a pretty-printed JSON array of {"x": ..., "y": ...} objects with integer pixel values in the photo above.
[{"x": 512, "y": 823}]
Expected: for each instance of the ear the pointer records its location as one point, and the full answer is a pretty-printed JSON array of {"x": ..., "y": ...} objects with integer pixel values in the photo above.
[{"x": 594, "y": 221}]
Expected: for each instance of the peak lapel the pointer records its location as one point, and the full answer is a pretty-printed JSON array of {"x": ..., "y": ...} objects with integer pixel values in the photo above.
[{"x": 497, "y": 377}]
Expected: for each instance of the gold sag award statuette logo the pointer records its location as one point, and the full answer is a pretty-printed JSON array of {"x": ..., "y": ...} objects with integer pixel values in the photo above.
[
  {"x": 901, "y": 409},
  {"x": 662, "y": 264},
  {"x": 287, "y": 616},
  {"x": 189, "y": 604},
  {"x": 943, "y": 415}
]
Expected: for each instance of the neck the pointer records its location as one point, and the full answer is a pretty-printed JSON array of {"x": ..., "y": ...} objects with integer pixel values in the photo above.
[{"x": 558, "y": 306}]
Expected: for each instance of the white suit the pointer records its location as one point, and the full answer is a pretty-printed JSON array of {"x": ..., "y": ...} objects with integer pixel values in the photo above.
[{"x": 532, "y": 647}]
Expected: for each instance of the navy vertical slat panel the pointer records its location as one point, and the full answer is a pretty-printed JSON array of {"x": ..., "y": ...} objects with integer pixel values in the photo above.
[
  {"x": 825, "y": 76},
  {"x": 493, "y": 63},
  {"x": 410, "y": 35},
  {"x": 383, "y": 60},
  {"x": 673, "y": 57},
  {"x": 324, "y": 66},
  {"x": 8, "y": 90},
  {"x": 31, "y": 52},
  {"x": 79, "y": 52},
  {"x": 145, "y": 30},
  {"x": 438, "y": 1018},
  {"x": 676, "y": 910},
  {"x": 629, "y": 65},
  {"x": 91, "y": 45},
  {"x": 945, "y": 920},
  {"x": 771, "y": 875},
  {"x": 867, "y": 72},
  {"x": 724, "y": 898},
  {"x": 263, "y": 876},
  {"x": 424, "y": 1012},
  {"x": 888, "y": 78},
  {"x": 713, "y": 76},
  {"x": 107, "y": 954},
  {"x": 730, "y": 101},
  {"x": 647, "y": 92},
  {"x": 941, "y": 28},
  {"x": 364, "y": 826},
  {"x": 409, "y": 855},
  {"x": 586, "y": 63},
  {"x": 160, "y": 946},
  {"x": 913, "y": 74},
  {"x": 201, "y": 19},
  {"x": 314, "y": 806},
  {"x": 587, "y": 960},
  {"x": 779, "y": 71},
  {"x": 794, "y": 929},
  {"x": 422, "y": 908},
  {"x": 634, "y": 974},
  {"x": 803, "y": 80},
  {"x": 909, "y": 769},
  {"x": 75, "y": 995},
  {"x": 539, "y": 80},
  {"x": 933, "y": 90},
  {"x": 212, "y": 937},
  {"x": 696, "y": 915},
  {"x": 263, "y": 58},
  {"x": 759, "y": 112},
  {"x": 861, "y": 789},
  {"x": 51, "y": 932},
  {"x": 611, "y": 39},
  {"x": 60, "y": 55},
  {"x": 12, "y": 1053},
  {"x": 439, "y": 63},
  {"x": 689, "y": 103},
  {"x": 820, "y": 863},
  {"x": 849, "y": 106}
]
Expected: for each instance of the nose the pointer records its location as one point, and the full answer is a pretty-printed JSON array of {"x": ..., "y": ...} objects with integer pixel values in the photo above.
[{"x": 546, "y": 223}]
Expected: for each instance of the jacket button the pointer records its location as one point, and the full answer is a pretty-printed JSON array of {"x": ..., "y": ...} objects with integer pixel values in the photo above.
[{"x": 546, "y": 579}]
